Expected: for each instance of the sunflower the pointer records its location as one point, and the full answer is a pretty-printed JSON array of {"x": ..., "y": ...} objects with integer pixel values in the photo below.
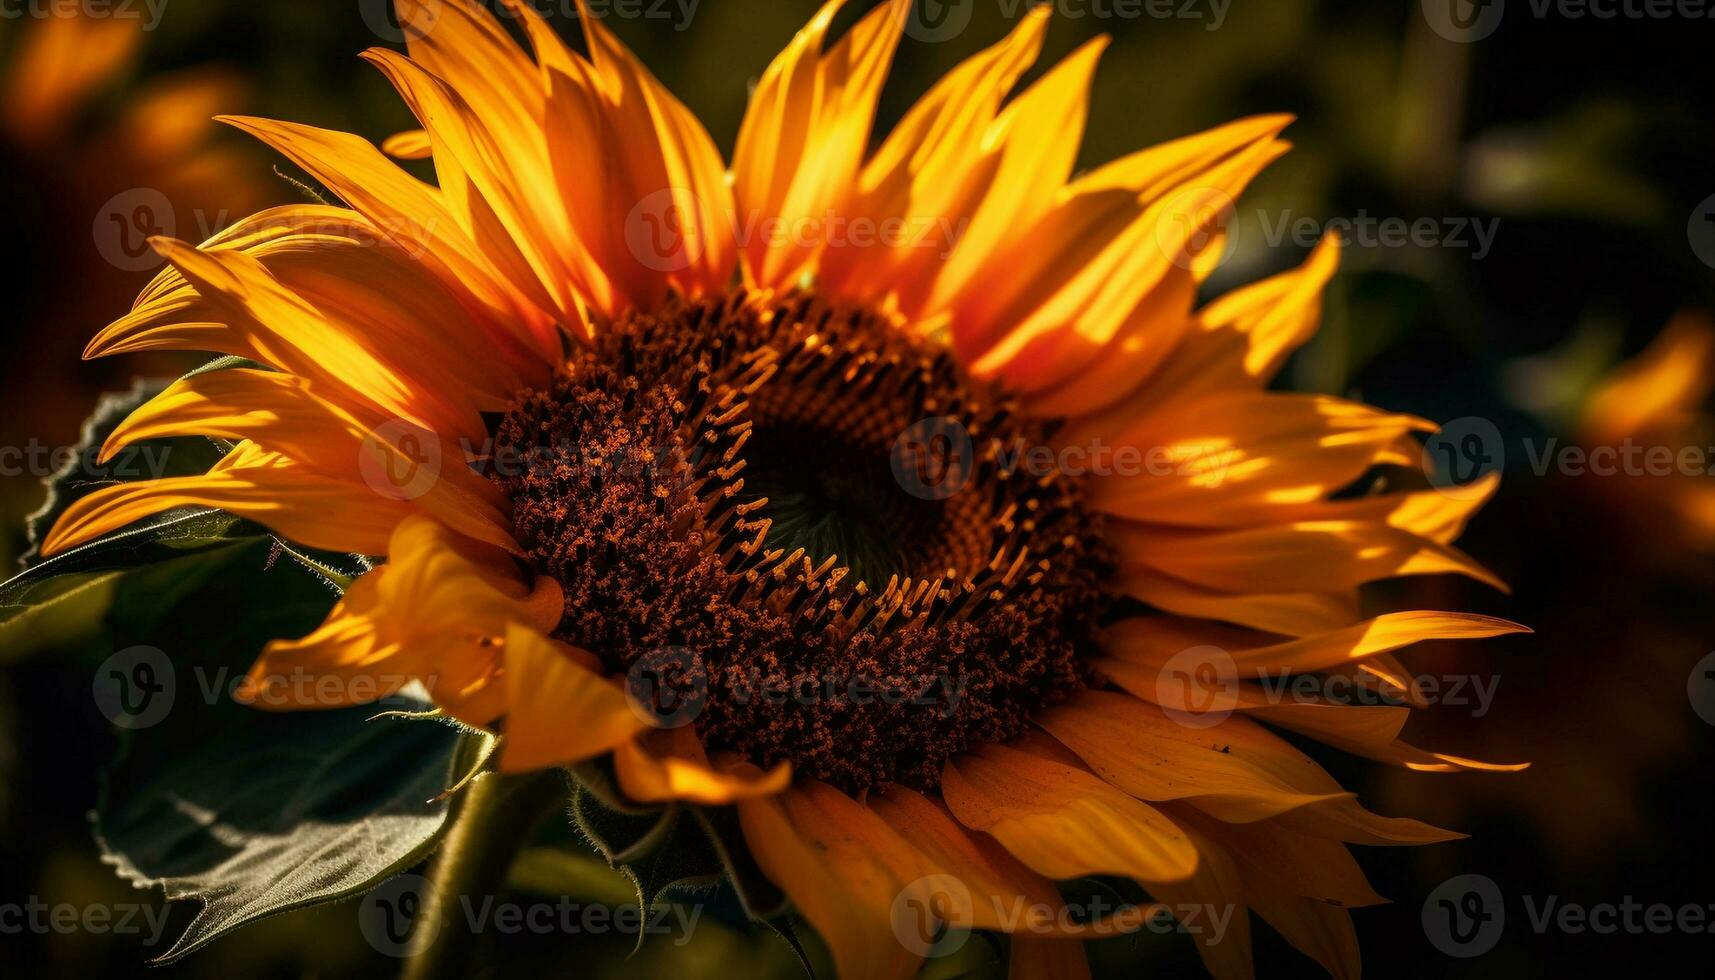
[{"x": 931, "y": 437}]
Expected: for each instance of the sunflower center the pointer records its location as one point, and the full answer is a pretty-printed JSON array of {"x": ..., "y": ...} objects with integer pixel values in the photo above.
[
  {"x": 826, "y": 497},
  {"x": 801, "y": 522}
]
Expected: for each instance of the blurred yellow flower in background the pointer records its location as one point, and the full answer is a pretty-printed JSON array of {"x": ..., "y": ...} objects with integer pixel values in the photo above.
[{"x": 101, "y": 176}]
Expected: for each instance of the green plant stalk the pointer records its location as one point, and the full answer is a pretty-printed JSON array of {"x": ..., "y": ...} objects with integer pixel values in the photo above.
[{"x": 492, "y": 821}]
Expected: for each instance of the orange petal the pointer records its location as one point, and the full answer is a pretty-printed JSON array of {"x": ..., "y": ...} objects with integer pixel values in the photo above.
[
  {"x": 670, "y": 764},
  {"x": 410, "y": 212},
  {"x": 1291, "y": 613},
  {"x": 1218, "y": 889},
  {"x": 412, "y": 144},
  {"x": 1238, "y": 341},
  {"x": 558, "y": 711},
  {"x": 1238, "y": 458},
  {"x": 1063, "y": 822},
  {"x": 1036, "y": 139},
  {"x": 1154, "y": 641},
  {"x": 288, "y": 333},
  {"x": 523, "y": 240},
  {"x": 665, "y": 153},
  {"x": 299, "y": 504},
  {"x": 1668, "y": 380},
  {"x": 833, "y": 878},
  {"x": 436, "y": 612},
  {"x": 1322, "y": 556},
  {"x": 1006, "y": 895},
  {"x": 1136, "y": 747},
  {"x": 1236, "y": 770},
  {"x": 1096, "y": 258},
  {"x": 1382, "y": 634},
  {"x": 1307, "y": 867},
  {"x": 928, "y": 173},
  {"x": 804, "y": 135}
]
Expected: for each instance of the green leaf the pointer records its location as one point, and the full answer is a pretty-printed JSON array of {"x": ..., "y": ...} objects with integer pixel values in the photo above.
[
  {"x": 152, "y": 459},
  {"x": 78, "y": 610},
  {"x": 550, "y": 870},
  {"x": 278, "y": 812},
  {"x": 654, "y": 849},
  {"x": 65, "y": 600},
  {"x": 244, "y": 812},
  {"x": 659, "y": 849},
  {"x": 762, "y": 901},
  {"x": 977, "y": 958}
]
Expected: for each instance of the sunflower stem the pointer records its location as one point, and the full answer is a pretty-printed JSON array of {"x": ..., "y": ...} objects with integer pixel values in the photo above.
[{"x": 491, "y": 821}]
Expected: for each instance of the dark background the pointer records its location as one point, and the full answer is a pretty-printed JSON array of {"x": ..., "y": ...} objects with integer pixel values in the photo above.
[{"x": 1588, "y": 140}]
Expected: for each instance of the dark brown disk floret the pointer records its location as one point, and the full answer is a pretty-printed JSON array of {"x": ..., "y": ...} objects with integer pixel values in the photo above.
[{"x": 725, "y": 480}]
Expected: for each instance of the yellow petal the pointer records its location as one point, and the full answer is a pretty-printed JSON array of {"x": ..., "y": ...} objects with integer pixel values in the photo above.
[
  {"x": 410, "y": 212},
  {"x": 670, "y": 764},
  {"x": 1238, "y": 458},
  {"x": 927, "y": 175},
  {"x": 412, "y": 144},
  {"x": 291, "y": 500},
  {"x": 803, "y": 138},
  {"x": 558, "y": 711},
  {"x": 1291, "y": 613},
  {"x": 834, "y": 880},
  {"x": 1326, "y": 556},
  {"x": 1035, "y": 140},
  {"x": 1136, "y": 747},
  {"x": 1061, "y": 821}
]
